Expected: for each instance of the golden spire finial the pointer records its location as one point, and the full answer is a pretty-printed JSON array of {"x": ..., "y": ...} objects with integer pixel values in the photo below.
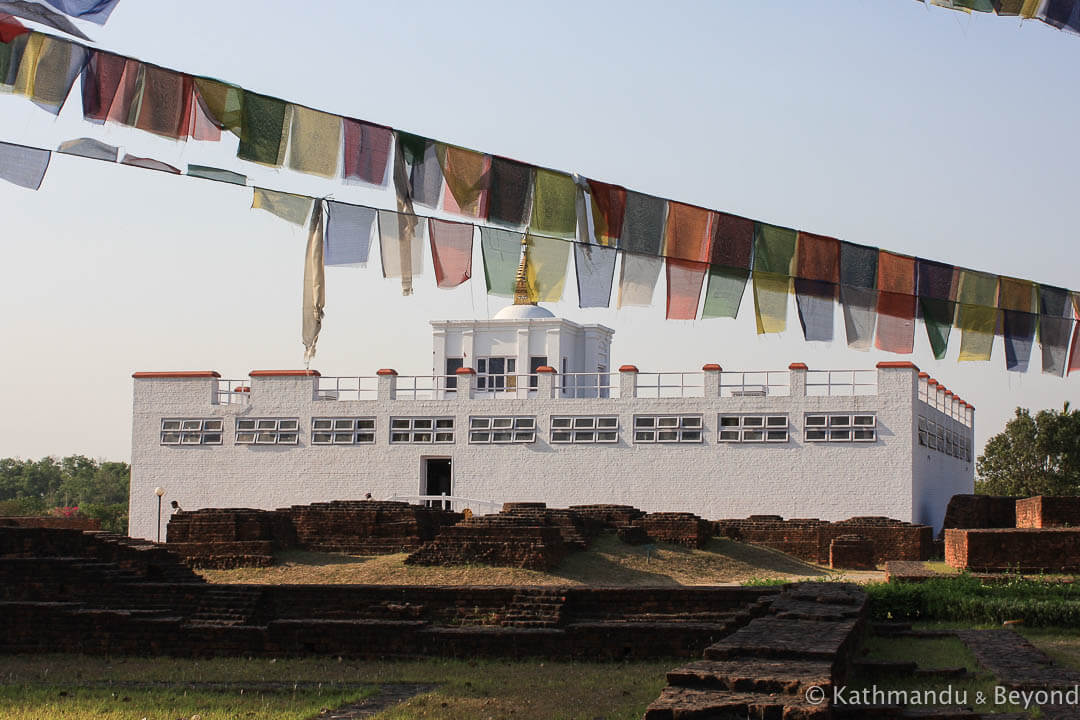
[{"x": 521, "y": 287}]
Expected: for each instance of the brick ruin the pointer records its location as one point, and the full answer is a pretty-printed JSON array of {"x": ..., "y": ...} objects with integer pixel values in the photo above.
[
  {"x": 980, "y": 511},
  {"x": 236, "y": 537},
  {"x": 69, "y": 591},
  {"x": 1045, "y": 538},
  {"x": 48, "y": 521},
  {"x": 810, "y": 539}
]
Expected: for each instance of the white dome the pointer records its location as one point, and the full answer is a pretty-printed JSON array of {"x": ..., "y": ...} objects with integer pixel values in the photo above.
[{"x": 523, "y": 312}]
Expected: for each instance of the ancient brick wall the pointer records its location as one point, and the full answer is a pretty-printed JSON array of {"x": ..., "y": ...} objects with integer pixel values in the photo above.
[
  {"x": 809, "y": 538},
  {"x": 65, "y": 523},
  {"x": 980, "y": 511},
  {"x": 494, "y": 540},
  {"x": 851, "y": 552},
  {"x": 679, "y": 528},
  {"x": 1017, "y": 549},
  {"x": 1048, "y": 511}
]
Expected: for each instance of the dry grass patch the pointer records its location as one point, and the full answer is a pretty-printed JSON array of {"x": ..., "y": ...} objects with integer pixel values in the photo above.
[{"x": 608, "y": 562}]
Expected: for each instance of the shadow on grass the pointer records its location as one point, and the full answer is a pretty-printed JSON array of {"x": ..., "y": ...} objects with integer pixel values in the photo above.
[
  {"x": 763, "y": 558},
  {"x": 317, "y": 559}
]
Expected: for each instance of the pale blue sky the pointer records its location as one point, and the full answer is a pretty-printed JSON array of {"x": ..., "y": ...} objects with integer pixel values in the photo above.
[{"x": 887, "y": 123}]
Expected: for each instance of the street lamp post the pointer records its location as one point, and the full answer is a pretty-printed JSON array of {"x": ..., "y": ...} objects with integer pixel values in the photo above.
[{"x": 159, "y": 491}]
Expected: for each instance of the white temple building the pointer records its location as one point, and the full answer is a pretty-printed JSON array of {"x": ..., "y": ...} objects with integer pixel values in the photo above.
[{"x": 527, "y": 407}]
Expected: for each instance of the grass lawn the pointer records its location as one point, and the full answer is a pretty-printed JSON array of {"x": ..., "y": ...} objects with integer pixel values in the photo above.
[
  {"x": 31, "y": 687},
  {"x": 608, "y": 562}
]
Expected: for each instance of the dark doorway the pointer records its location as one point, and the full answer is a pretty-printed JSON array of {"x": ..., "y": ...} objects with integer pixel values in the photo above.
[{"x": 437, "y": 480}]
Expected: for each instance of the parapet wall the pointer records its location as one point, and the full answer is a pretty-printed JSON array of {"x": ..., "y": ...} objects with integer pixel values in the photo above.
[
  {"x": 809, "y": 538},
  {"x": 1044, "y": 511}
]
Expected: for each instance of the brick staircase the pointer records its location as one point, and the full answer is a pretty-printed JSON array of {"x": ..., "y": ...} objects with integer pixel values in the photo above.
[
  {"x": 226, "y": 605},
  {"x": 535, "y": 608}
]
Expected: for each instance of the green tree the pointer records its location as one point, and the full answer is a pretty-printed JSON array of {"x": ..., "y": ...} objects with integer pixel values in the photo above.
[
  {"x": 1035, "y": 455},
  {"x": 99, "y": 489}
]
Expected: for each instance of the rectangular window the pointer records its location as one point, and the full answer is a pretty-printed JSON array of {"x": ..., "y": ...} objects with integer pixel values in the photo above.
[
  {"x": 667, "y": 428},
  {"x": 191, "y": 431},
  {"x": 453, "y": 364},
  {"x": 502, "y": 430},
  {"x": 423, "y": 430},
  {"x": 343, "y": 431},
  {"x": 267, "y": 431},
  {"x": 839, "y": 427},
  {"x": 496, "y": 373},
  {"x": 753, "y": 428},
  {"x": 584, "y": 429},
  {"x": 535, "y": 362}
]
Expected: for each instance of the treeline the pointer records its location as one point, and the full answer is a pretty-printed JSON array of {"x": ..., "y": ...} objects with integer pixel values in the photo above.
[{"x": 56, "y": 486}]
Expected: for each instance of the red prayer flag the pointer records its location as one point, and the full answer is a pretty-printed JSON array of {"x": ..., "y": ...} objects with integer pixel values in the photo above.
[
  {"x": 10, "y": 28},
  {"x": 367, "y": 151},
  {"x": 451, "y": 251},
  {"x": 896, "y": 322},
  {"x": 689, "y": 232},
  {"x": 684, "y": 279}
]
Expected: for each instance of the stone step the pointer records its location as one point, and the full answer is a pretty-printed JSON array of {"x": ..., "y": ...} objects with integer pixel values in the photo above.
[
  {"x": 676, "y": 703},
  {"x": 757, "y": 675}
]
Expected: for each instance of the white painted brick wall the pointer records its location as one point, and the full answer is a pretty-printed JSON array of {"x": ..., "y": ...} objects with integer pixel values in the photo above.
[{"x": 831, "y": 481}]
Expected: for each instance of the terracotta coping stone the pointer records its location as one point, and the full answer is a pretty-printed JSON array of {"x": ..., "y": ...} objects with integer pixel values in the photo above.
[
  {"x": 462, "y": 371},
  {"x": 798, "y": 366},
  {"x": 178, "y": 374},
  {"x": 545, "y": 369},
  {"x": 897, "y": 364},
  {"x": 628, "y": 368},
  {"x": 386, "y": 371},
  {"x": 284, "y": 373},
  {"x": 712, "y": 367}
]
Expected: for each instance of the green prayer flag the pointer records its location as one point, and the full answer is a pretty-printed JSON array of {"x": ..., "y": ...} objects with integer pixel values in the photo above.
[
  {"x": 725, "y": 291},
  {"x": 412, "y": 147},
  {"x": 938, "y": 318},
  {"x": 554, "y": 204},
  {"x": 213, "y": 173},
  {"x": 977, "y": 288},
  {"x": 501, "y": 250},
  {"x": 264, "y": 132},
  {"x": 7, "y": 51},
  {"x": 774, "y": 249},
  {"x": 222, "y": 102}
]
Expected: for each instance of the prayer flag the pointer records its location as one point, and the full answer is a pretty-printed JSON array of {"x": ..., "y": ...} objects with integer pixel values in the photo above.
[
  {"x": 222, "y": 103},
  {"x": 595, "y": 266},
  {"x": 100, "y": 81},
  {"x": 1023, "y": 8},
  {"x": 895, "y": 322},
  {"x": 264, "y": 129},
  {"x": 41, "y": 14},
  {"x": 89, "y": 148},
  {"x": 774, "y": 250},
  {"x": 23, "y": 166},
  {"x": 860, "y": 315},
  {"x": 10, "y": 57},
  {"x": 554, "y": 210},
  {"x": 425, "y": 171},
  {"x": 10, "y": 28},
  {"x": 213, "y": 173},
  {"x": 689, "y": 233},
  {"x": 896, "y": 273},
  {"x": 367, "y": 151},
  {"x": 466, "y": 173},
  {"x": 608, "y": 208},
  {"x": 937, "y": 317},
  {"x": 402, "y": 252},
  {"x": 545, "y": 269},
  {"x": 314, "y": 285},
  {"x": 451, "y": 251},
  {"x": 771, "y": 292},
  {"x": 814, "y": 302},
  {"x": 48, "y": 69},
  {"x": 1055, "y": 329},
  {"x": 637, "y": 279},
  {"x": 818, "y": 258},
  {"x": 977, "y": 316},
  {"x": 1019, "y": 329},
  {"x": 510, "y": 189},
  {"x": 95, "y": 11},
  {"x": 858, "y": 266},
  {"x": 725, "y": 290},
  {"x": 164, "y": 102},
  {"x": 732, "y": 242},
  {"x": 684, "y": 279},
  {"x": 1062, "y": 14},
  {"x": 501, "y": 251},
  {"x": 643, "y": 224},
  {"x": 405, "y": 146},
  {"x": 149, "y": 164},
  {"x": 289, "y": 207},
  {"x": 316, "y": 142},
  {"x": 348, "y": 233}
]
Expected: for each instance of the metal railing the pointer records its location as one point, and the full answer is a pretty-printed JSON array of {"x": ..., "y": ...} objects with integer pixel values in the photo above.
[
  {"x": 670, "y": 385},
  {"x": 587, "y": 385},
  {"x": 231, "y": 392},
  {"x": 841, "y": 382},
  {"x": 451, "y": 502},
  {"x": 756, "y": 383},
  {"x": 348, "y": 388},
  {"x": 426, "y": 387}
]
